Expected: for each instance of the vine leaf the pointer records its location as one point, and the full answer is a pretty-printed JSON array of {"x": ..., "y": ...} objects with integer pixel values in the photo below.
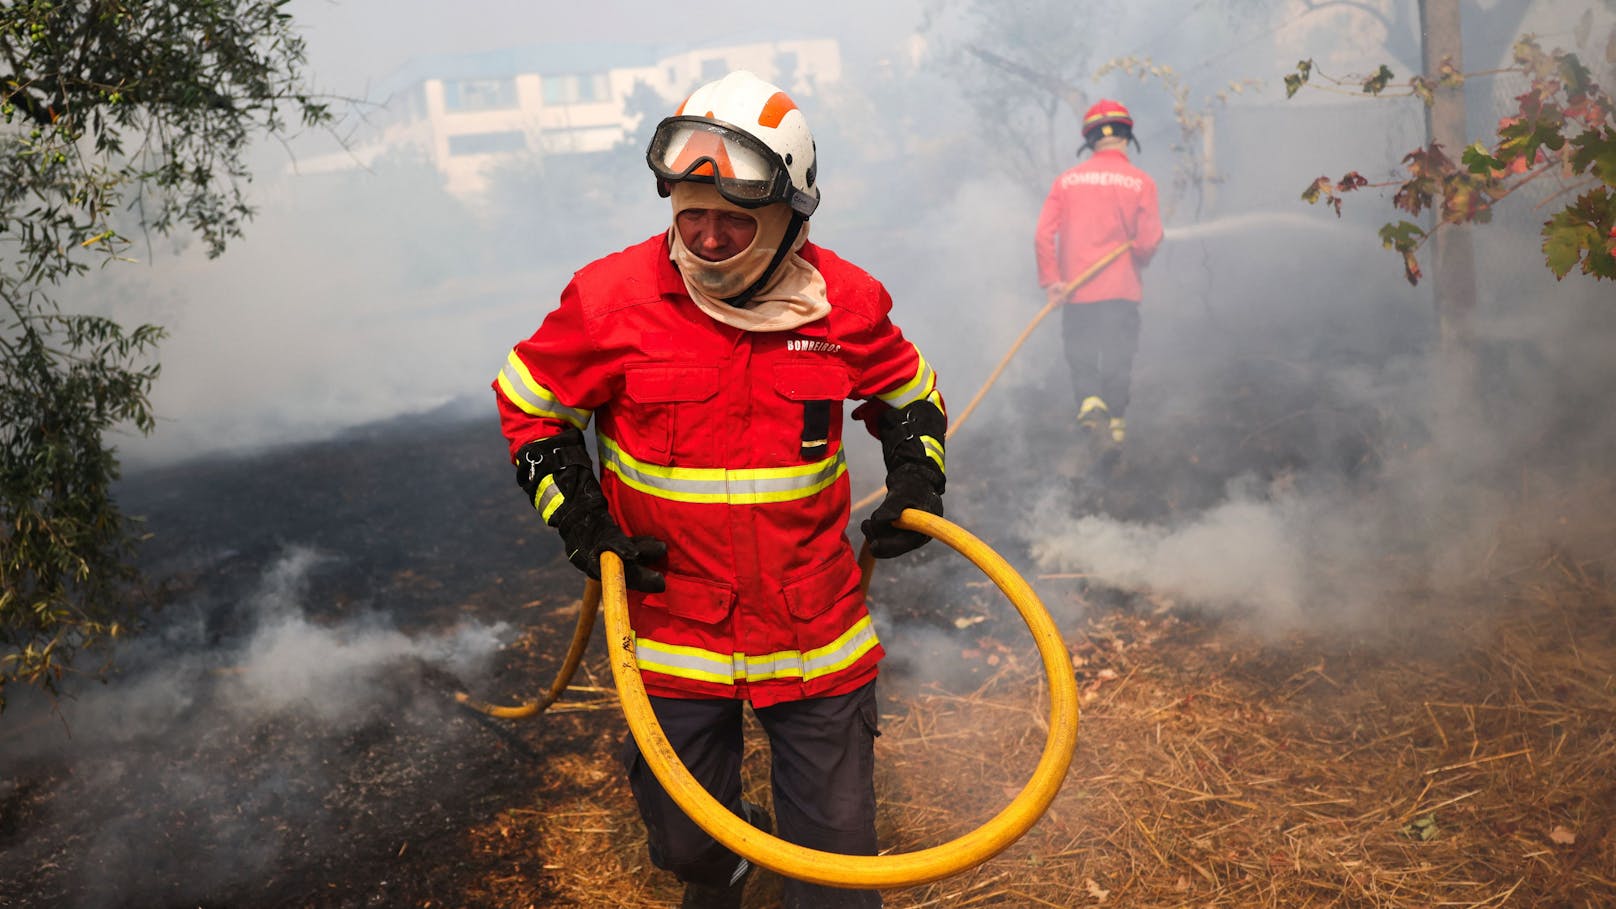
[{"x": 1376, "y": 84}]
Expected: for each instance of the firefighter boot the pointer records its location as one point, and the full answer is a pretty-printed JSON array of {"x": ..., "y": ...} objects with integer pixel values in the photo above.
[
  {"x": 1093, "y": 414},
  {"x": 728, "y": 896}
]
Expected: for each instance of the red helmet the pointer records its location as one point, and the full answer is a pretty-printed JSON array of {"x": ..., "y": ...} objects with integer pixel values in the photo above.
[{"x": 1106, "y": 118}]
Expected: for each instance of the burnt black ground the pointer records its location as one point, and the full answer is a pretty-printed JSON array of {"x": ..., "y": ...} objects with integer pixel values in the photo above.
[
  {"x": 420, "y": 529},
  {"x": 294, "y": 808}
]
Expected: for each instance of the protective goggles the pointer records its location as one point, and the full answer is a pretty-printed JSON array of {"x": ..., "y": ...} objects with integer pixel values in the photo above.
[{"x": 743, "y": 170}]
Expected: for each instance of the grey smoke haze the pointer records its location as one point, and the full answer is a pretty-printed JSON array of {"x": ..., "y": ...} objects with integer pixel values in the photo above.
[
  {"x": 357, "y": 297},
  {"x": 155, "y": 788}
]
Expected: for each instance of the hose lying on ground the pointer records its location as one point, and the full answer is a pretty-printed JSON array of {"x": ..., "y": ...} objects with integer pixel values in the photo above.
[
  {"x": 569, "y": 664},
  {"x": 862, "y": 871}
]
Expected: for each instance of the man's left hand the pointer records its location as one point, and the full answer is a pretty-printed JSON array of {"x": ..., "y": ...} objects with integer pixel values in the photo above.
[{"x": 905, "y": 489}]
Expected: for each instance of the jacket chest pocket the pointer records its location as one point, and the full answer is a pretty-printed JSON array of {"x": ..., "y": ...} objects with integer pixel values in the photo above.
[
  {"x": 818, "y": 390},
  {"x": 668, "y": 402}
]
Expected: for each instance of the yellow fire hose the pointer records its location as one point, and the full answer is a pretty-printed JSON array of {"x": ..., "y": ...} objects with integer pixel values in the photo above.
[
  {"x": 569, "y": 664},
  {"x": 863, "y": 871},
  {"x": 591, "y": 599}
]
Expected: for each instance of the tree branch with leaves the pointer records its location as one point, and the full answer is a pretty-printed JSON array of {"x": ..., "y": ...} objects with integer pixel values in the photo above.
[
  {"x": 117, "y": 117},
  {"x": 1563, "y": 130}
]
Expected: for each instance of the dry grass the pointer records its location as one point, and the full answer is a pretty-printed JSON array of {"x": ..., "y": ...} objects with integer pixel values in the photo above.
[{"x": 1462, "y": 757}]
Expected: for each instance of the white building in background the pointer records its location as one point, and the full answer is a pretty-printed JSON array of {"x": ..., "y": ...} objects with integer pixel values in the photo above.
[{"x": 467, "y": 111}]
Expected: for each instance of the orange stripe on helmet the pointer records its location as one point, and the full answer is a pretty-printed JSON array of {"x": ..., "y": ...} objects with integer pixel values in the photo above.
[
  {"x": 704, "y": 145},
  {"x": 775, "y": 109}
]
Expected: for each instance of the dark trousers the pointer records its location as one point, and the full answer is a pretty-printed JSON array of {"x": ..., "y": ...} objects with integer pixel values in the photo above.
[
  {"x": 822, "y": 775},
  {"x": 1101, "y": 339}
]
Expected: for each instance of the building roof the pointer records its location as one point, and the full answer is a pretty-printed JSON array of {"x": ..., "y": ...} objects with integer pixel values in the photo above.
[
  {"x": 543, "y": 59},
  {"x": 560, "y": 59}
]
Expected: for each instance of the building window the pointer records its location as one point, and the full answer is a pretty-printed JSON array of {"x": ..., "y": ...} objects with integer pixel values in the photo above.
[
  {"x": 479, "y": 94},
  {"x": 494, "y": 143},
  {"x": 584, "y": 139},
  {"x": 589, "y": 89}
]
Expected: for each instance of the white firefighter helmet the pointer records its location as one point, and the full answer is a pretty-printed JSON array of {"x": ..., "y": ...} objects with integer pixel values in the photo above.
[{"x": 744, "y": 136}]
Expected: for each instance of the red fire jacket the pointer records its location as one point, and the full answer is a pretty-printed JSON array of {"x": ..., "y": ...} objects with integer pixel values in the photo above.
[
  {"x": 1090, "y": 210},
  {"x": 726, "y": 445}
]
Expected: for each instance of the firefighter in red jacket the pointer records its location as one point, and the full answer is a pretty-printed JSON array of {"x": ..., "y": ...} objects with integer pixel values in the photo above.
[
  {"x": 714, "y": 360},
  {"x": 1091, "y": 209}
]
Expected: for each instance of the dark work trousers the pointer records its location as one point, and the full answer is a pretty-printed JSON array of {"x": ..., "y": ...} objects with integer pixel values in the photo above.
[
  {"x": 822, "y": 775},
  {"x": 1101, "y": 339}
]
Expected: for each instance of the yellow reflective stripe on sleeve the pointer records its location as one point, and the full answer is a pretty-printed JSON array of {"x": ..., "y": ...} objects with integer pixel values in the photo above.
[
  {"x": 718, "y": 485},
  {"x": 727, "y": 669},
  {"x": 548, "y": 499},
  {"x": 520, "y": 388},
  {"x": 921, "y": 385},
  {"x": 934, "y": 450}
]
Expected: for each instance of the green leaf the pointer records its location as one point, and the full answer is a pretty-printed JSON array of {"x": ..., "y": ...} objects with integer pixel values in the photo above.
[
  {"x": 1403, "y": 236},
  {"x": 1596, "y": 151},
  {"x": 1315, "y": 189},
  {"x": 1423, "y": 828},
  {"x": 1295, "y": 81},
  {"x": 1376, "y": 84},
  {"x": 1583, "y": 232},
  {"x": 1479, "y": 160}
]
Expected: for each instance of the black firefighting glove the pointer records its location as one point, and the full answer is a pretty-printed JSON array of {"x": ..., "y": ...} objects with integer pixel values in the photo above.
[
  {"x": 560, "y": 482},
  {"x": 912, "y": 446}
]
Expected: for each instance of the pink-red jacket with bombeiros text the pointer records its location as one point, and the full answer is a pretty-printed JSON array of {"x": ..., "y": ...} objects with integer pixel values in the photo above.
[{"x": 1091, "y": 209}]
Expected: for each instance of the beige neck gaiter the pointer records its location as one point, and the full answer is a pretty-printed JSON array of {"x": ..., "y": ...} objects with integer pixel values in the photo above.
[{"x": 795, "y": 294}]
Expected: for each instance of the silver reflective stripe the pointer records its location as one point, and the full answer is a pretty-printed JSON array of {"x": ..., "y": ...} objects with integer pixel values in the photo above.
[
  {"x": 534, "y": 399},
  {"x": 708, "y": 666},
  {"x": 920, "y": 386},
  {"x": 684, "y": 662},
  {"x": 741, "y": 486},
  {"x": 842, "y": 652},
  {"x": 934, "y": 450}
]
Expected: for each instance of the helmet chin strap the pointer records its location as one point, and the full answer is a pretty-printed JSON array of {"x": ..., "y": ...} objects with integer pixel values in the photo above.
[{"x": 793, "y": 227}]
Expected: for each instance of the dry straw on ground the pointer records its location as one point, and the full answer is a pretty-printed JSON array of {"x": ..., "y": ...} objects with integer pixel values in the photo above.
[{"x": 1460, "y": 756}]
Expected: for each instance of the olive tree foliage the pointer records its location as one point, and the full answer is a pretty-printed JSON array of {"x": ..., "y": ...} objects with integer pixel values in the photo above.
[{"x": 119, "y": 120}]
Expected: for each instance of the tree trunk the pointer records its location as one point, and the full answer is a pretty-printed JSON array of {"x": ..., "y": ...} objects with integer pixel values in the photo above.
[{"x": 1453, "y": 261}]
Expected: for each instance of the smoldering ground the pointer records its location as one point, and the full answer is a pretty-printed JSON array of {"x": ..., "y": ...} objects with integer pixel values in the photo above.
[
  {"x": 213, "y": 751},
  {"x": 286, "y": 717}
]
